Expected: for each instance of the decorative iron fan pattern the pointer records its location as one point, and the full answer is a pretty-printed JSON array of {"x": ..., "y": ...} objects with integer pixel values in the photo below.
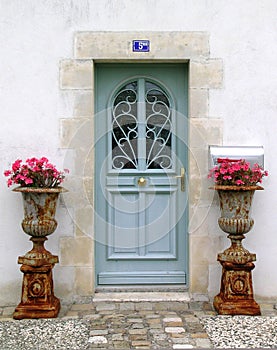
[{"x": 141, "y": 127}]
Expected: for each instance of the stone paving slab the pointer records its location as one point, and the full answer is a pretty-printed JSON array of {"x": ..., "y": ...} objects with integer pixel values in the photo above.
[{"x": 119, "y": 322}]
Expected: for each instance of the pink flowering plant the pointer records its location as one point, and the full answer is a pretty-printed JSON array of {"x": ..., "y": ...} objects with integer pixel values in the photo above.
[
  {"x": 35, "y": 172},
  {"x": 231, "y": 172}
]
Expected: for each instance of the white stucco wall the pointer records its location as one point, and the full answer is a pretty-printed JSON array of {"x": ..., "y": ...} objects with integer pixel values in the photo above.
[{"x": 36, "y": 34}]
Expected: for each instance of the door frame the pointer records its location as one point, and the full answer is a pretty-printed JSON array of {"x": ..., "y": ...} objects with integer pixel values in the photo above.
[{"x": 77, "y": 83}]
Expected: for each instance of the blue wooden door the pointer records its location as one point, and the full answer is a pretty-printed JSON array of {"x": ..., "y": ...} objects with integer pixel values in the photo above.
[{"x": 140, "y": 180}]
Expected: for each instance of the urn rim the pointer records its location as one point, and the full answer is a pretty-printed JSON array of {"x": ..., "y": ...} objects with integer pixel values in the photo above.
[
  {"x": 236, "y": 188},
  {"x": 40, "y": 189}
]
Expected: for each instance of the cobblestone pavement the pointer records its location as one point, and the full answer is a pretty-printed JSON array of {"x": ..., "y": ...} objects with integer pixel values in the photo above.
[
  {"x": 146, "y": 324},
  {"x": 158, "y": 321}
]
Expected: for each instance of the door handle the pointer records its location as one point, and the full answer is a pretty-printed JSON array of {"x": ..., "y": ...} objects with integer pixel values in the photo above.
[{"x": 182, "y": 177}]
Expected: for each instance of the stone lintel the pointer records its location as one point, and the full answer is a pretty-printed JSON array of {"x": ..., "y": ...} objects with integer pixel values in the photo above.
[{"x": 118, "y": 45}]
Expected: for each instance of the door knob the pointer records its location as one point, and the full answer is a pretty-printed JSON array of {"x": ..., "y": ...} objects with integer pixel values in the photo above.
[
  {"x": 182, "y": 177},
  {"x": 141, "y": 181}
]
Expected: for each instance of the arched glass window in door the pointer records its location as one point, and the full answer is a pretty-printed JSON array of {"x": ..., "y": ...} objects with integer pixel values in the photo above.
[{"x": 141, "y": 127}]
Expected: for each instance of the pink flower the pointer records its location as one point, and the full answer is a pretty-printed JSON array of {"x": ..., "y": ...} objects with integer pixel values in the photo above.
[
  {"x": 36, "y": 172},
  {"x": 16, "y": 165},
  {"x": 239, "y": 182},
  {"x": 31, "y": 161},
  {"x": 236, "y": 172},
  {"x": 223, "y": 171},
  {"x": 28, "y": 181}
]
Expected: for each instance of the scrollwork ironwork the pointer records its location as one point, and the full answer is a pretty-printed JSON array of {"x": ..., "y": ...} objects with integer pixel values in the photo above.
[
  {"x": 158, "y": 129},
  {"x": 125, "y": 128}
]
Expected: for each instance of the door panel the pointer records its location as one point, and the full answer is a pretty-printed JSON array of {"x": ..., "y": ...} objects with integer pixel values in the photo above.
[{"x": 141, "y": 214}]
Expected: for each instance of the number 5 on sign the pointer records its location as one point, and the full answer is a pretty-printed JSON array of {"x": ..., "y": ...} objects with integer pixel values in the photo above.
[{"x": 141, "y": 45}]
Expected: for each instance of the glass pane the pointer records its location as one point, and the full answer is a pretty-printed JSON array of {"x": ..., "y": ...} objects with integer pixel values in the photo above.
[
  {"x": 158, "y": 128},
  {"x": 125, "y": 128}
]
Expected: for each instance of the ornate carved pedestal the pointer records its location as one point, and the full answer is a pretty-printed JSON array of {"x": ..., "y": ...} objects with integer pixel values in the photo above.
[
  {"x": 38, "y": 299},
  {"x": 236, "y": 291}
]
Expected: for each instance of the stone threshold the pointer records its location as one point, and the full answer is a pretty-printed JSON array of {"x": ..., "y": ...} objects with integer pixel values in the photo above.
[{"x": 142, "y": 296}]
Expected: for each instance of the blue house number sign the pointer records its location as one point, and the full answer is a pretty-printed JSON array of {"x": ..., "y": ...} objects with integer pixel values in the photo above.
[{"x": 141, "y": 45}]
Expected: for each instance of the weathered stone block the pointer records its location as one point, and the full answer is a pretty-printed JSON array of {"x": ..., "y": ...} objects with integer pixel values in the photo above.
[
  {"x": 173, "y": 322},
  {"x": 199, "y": 276},
  {"x": 141, "y": 344},
  {"x": 205, "y": 248},
  {"x": 198, "y": 219},
  {"x": 82, "y": 307},
  {"x": 198, "y": 103},
  {"x": 76, "y": 74},
  {"x": 98, "y": 339},
  {"x": 105, "y": 307},
  {"x": 206, "y": 74},
  {"x": 173, "y": 330},
  {"x": 137, "y": 331},
  {"x": 70, "y": 130},
  {"x": 76, "y": 251},
  {"x": 83, "y": 104},
  {"x": 204, "y": 132},
  {"x": 127, "y": 306},
  {"x": 84, "y": 221},
  {"x": 143, "y": 306}
]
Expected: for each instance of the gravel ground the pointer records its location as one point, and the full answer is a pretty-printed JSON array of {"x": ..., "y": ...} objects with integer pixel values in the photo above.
[
  {"x": 242, "y": 331},
  {"x": 70, "y": 334}
]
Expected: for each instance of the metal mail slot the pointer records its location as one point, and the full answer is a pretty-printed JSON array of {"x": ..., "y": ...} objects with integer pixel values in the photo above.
[{"x": 252, "y": 154}]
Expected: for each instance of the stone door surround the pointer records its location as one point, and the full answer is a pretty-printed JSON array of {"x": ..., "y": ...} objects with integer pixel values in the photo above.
[{"x": 77, "y": 138}]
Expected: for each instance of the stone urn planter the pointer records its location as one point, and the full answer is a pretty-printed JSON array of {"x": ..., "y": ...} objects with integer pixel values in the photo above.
[
  {"x": 236, "y": 292},
  {"x": 38, "y": 299}
]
